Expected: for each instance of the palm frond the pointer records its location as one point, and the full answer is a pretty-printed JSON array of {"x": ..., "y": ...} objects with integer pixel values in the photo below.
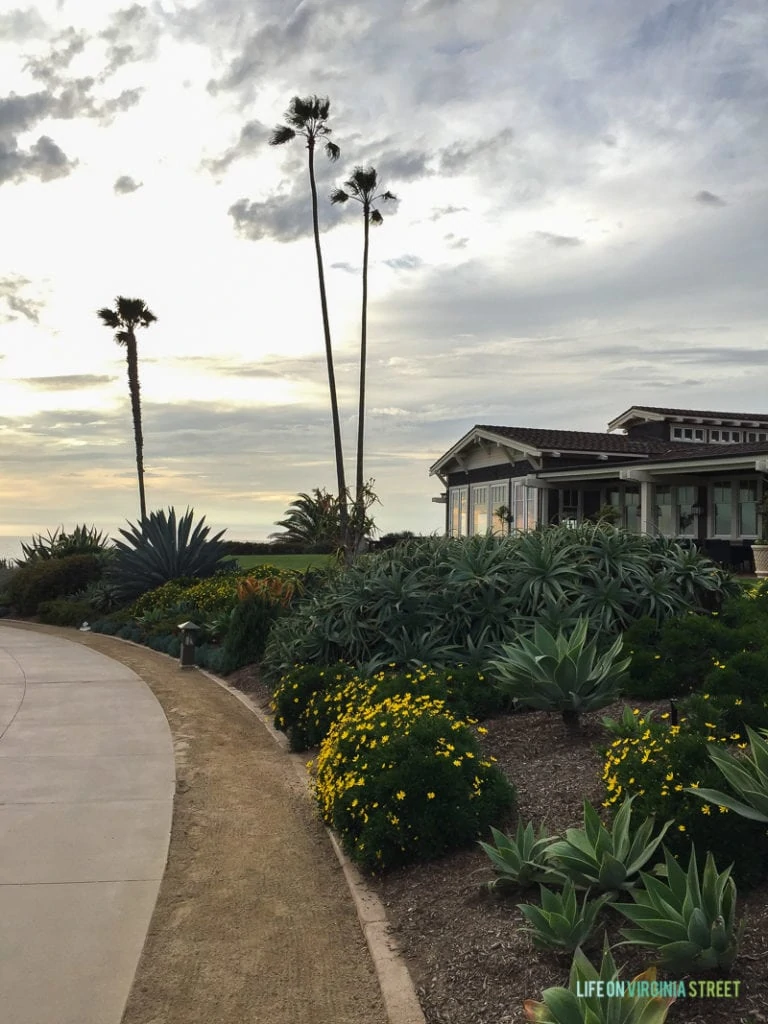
[
  {"x": 132, "y": 311},
  {"x": 365, "y": 180},
  {"x": 376, "y": 217},
  {"x": 388, "y": 196},
  {"x": 338, "y": 196},
  {"x": 108, "y": 317},
  {"x": 281, "y": 134},
  {"x": 332, "y": 151},
  {"x": 124, "y": 337}
]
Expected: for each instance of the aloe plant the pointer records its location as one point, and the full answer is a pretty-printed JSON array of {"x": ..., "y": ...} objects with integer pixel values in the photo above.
[
  {"x": 561, "y": 673},
  {"x": 519, "y": 860},
  {"x": 561, "y": 922},
  {"x": 586, "y": 1002},
  {"x": 84, "y": 540},
  {"x": 748, "y": 776},
  {"x": 603, "y": 859},
  {"x": 690, "y": 923},
  {"x": 163, "y": 548}
]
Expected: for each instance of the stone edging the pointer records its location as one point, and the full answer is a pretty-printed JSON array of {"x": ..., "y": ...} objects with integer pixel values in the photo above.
[{"x": 398, "y": 992}]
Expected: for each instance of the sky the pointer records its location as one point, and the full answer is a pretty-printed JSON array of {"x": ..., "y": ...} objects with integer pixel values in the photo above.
[{"x": 580, "y": 227}]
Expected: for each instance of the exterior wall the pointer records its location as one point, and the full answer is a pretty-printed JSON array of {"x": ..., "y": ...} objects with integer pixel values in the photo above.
[{"x": 652, "y": 429}]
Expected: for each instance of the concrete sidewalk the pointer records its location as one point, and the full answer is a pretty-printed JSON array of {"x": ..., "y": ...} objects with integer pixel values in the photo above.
[{"x": 87, "y": 781}]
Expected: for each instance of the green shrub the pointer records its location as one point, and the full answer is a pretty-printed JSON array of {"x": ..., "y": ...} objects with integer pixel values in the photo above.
[
  {"x": 729, "y": 713},
  {"x": 403, "y": 780},
  {"x": 430, "y": 601},
  {"x": 631, "y": 723},
  {"x": 64, "y": 613},
  {"x": 656, "y": 769},
  {"x": 746, "y": 778},
  {"x": 45, "y": 580},
  {"x": 675, "y": 658},
  {"x": 247, "y": 635}
]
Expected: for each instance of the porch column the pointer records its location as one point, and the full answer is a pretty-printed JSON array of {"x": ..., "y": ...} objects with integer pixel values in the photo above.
[{"x": 647, "y": 500}]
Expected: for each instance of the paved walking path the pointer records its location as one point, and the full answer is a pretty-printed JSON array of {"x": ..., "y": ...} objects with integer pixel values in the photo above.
[{"x": 86, "y": 796}]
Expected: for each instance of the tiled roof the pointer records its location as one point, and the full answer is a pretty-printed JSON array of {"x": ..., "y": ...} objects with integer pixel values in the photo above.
[
  {"x": 585, "y": 441},
  {"x": 704, "y": 414}
]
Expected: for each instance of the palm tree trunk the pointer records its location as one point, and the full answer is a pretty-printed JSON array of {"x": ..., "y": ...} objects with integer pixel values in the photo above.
[
  {"x": 363, "y": 357},
  {"x": 359, "y": 502},
  {"x": 340, "y": 479},
  {"x": 132, "y": 359}
]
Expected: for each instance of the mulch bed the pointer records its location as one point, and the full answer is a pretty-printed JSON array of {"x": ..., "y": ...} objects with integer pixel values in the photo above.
[{"x": 469, "y": 959}]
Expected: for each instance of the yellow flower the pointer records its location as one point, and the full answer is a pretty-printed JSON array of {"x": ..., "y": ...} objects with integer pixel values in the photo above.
[
  {"x": 400, "y": 795},
  {"x": 665, "y": 715},
  {"x": 681, "y": 828},
  {"x": 706, "y": 809},
  {"x": 430, "y": 796},
  {"x": 669, "y": 777}
]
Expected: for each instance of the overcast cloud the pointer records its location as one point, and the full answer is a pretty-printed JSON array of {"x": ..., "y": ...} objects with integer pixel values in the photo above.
[{"x": 580, "y": 227}]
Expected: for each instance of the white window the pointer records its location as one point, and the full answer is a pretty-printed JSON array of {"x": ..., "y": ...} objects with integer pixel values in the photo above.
[
  {"x": 761, "y": 436},
  {"x": 459, "y": 498},
  {"x": 677, "y": 431},
  {"x": 499, "y": 499},
  {"x": 722, "y": 508},
  {"x": 698, "y": 435},
  {"x": 480, "y": 508},
  {"x": 688, "y": 433},
  {"x": 686, "y": 520},
  {"x": 714, "y": 435},
  {"x": 751, "y": 436},
  {"x": 524, "y": 509},
  {"x": 748, "y": 508}
]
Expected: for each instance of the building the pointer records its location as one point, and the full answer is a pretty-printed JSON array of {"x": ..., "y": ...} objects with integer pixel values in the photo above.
[{"x": 682, "y": 473}]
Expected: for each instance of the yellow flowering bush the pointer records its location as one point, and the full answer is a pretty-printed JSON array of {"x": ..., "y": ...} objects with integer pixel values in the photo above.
[
  {"x": 207, "y": 596},
  {"x": 403, "y": 780},
  {"x": 310, "y": 697},
  {"x": 657, "y": 766}
]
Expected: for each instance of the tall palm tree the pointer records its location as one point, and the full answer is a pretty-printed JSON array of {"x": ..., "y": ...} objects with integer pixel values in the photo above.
[
  {"x": 127, "y": 315},
  {"x": 362, "y": 186},
  {"x": 307, "y": 117}
]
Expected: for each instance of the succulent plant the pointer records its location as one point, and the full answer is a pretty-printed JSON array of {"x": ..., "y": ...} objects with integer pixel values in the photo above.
[
  {"x": 519, "y": 860},
  {"x": 163, "y": 548},
  {"x": 585, "y": 1001},
  {"x": 561, "y": 673},
  {"x": 690, "y": 923},
  {"x": 607, "y": 860},
  {"x": 561, "y": 922},
  {"x": 748, "y": 776}
]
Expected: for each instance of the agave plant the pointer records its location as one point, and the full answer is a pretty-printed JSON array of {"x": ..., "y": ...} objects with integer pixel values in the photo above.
[
  {"x": 598, "y": 1004},
  {"x": 561, "y": 922},
  {"x": 163, "y": 548},
  {"x": 561, "y": 673},
  {"x": 84, "y": 540},
  {"x": 748, "y": 776},
  {"x": 690, "y": 923},
  {"x": 607, "y": 860},
  {"x": 519, "y": 860}
]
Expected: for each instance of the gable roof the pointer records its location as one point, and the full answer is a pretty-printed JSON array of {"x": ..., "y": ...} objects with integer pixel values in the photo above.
[
  {"x": 581, "y": 441},
  {"x": 658, "y": 413}
]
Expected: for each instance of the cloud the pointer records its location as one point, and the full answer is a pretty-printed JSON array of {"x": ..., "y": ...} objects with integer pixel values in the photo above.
[
  {"x": 68, "y": 381},
  {"x": 559, "y": 241},
  {"x": 18, "y": 305},
  {"x": 406, "y": 262},
  {"x": 284, "y": 218},
  {"x": 445, "y": 211},
  {"x": 707, "y": 198},
  {"x": 348, "y": 268},
  {"x": 460, "y": 157},
  {"x": 133, "y": 34},
  {"x": 22, "y": 24},
  {"x": 125, "y": 184},
  {"x": 253, "y": 137},
  {"x": 44, "y": 160}
]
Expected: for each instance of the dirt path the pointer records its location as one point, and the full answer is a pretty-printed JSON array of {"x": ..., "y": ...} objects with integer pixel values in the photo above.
[{"x": 254, "y": 923}]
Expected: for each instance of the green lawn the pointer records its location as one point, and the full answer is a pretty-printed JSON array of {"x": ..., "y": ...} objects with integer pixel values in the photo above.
[{"x": 282, "y": 561}]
